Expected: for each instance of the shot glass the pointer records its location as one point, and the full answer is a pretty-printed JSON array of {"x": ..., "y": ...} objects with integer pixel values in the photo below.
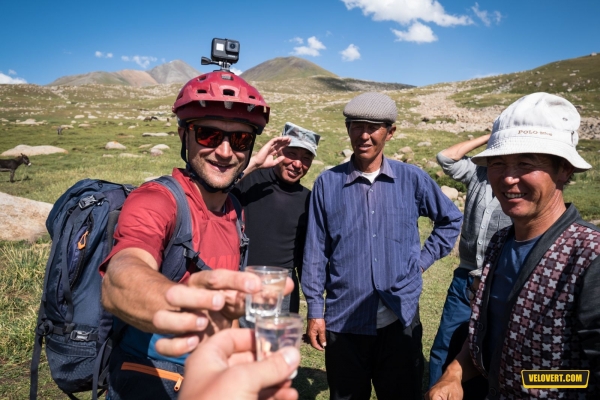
[
  {"x": 267, "y": 302},
  {"x": 275, "y": 332}
]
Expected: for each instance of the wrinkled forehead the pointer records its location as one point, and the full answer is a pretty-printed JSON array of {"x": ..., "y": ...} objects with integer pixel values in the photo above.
[
  {"x": 534, "y": 158},
  {"x": 291, "y": 151}
]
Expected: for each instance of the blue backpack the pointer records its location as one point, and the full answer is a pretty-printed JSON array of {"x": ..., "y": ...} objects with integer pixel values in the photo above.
[{"x": 78, "y": 332}]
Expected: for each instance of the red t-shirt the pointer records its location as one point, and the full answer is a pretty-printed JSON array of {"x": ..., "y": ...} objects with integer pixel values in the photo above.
[{"x": 148, "y": 218}]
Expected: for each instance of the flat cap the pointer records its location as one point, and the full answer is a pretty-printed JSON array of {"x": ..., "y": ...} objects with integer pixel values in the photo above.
[{"x": 371, "y": 107}]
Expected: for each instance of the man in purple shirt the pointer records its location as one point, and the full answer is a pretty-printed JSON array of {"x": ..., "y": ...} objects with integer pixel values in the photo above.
[{"x": 363, "y": 249}]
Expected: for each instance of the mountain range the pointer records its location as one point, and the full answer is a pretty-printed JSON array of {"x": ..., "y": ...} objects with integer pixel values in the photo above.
[{"x": 178, "y": 71}]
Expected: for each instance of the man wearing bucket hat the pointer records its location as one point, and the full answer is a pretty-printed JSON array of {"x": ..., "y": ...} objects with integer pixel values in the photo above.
[
  {"x": 537, "y": 307},
  {"x": 363, "y": 249},
  {"x": 276, "y": 208}
]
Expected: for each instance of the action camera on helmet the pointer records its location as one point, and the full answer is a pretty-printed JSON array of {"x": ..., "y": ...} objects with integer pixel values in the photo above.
[{"x": 224, "y": 52}]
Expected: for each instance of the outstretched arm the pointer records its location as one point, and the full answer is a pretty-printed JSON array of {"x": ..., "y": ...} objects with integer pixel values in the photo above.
[
  {"x": 264, "y": 157},
  {"x": 459, "y": 150}
]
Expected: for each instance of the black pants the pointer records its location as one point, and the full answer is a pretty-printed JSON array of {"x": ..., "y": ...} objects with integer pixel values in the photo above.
[
  {"x": 392, "y": 361},
  {"x": 475, "y": 388}
]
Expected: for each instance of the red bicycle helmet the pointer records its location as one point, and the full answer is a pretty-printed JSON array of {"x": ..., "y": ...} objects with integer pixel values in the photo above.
[{"x": 222, "y": 95}]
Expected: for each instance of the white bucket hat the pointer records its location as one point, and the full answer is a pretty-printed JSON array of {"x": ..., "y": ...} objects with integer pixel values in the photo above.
[{"x": 536, "y": 123}]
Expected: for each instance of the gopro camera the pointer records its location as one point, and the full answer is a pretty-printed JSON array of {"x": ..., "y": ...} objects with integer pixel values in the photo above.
[{"x": 224, "y": 52}]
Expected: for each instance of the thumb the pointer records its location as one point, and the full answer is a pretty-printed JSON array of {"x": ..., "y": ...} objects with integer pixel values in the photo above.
[
  {"x": 277, "y": 368},
  {"x": 322, "y": 338}
]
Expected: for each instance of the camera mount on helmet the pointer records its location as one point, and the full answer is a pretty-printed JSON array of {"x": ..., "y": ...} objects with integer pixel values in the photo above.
[{"x": 224, "y": 53}]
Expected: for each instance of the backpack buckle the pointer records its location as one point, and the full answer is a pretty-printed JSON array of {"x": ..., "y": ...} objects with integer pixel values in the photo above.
[
  {"x": 87, "y": 201},
  {"x": 80, "y": 336}
]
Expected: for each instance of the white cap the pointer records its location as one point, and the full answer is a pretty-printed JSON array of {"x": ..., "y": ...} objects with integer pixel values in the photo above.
[{"x": 536, "y": 123}]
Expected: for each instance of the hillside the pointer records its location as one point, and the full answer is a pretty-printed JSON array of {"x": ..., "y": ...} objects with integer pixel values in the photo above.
[
  {"x": 176, "y": 71},
  {"x": 284, "y": 68}
]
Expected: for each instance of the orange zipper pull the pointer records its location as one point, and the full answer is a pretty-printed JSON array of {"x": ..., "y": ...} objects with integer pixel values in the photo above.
[
  {"x": 178, "y": 384},
  {"x": 82, "y": 242}
]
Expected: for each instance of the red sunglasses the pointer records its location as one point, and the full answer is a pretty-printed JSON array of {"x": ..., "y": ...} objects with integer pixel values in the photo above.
[{"x": 213, "y": 137}]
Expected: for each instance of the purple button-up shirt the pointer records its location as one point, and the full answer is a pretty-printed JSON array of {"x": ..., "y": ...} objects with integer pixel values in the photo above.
[{"x": 363, "y": 243}]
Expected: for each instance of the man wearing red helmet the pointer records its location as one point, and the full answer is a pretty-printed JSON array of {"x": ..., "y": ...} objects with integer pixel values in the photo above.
[{"x": 219, "y": 117}]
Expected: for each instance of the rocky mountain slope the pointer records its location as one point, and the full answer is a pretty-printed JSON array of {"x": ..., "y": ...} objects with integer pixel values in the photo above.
[{"x": 176, "y": 71}]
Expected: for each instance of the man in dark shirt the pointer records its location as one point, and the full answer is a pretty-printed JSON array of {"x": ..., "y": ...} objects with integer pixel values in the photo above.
[{"x": 276, "y": 208}]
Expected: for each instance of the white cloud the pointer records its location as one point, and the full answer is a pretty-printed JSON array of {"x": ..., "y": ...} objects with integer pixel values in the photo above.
[
  {"x": 100, "y": 54},
  {"x": 313, "y": 48},
  {"x": 417, "y": 33},
  {"x": 486, "y": 17},
  {"x": 5, "y": 79},
  {"x": 12, "y": 72},
  {"x": 236, "y": 71},
  {"x": 297, "y": 40},
  {"x": 142, "y": 61},
  {"x": 406, "y": 12},
  {"x": 350, "y": 53}
]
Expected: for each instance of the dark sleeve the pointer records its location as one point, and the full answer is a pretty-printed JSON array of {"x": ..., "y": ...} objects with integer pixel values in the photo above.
[{"x": 588, "y": 315}]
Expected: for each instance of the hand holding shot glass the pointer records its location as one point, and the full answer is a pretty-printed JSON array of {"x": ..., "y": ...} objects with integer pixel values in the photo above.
[
  {"x": 272, "y": 333},
  {"x": 267, "y": 302}
]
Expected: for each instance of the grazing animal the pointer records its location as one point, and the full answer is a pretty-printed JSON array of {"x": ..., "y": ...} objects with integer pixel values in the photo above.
[
  {"x": 150, "y": 118},
  {"x": 12, "y": 165},
  {"x": 59, "y": 129}
]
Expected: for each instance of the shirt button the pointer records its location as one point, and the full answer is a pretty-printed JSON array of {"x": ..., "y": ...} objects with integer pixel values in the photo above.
[
  {"x": 479, "y": 241},
  {"x": 371, "y": 190},
  {"x": 375, "y": 260},
  {"x": 374, "y": 235},
  {"x": 487, "y": 211},
  {"x": 372, "y": 212},
  {"x": 493, "y": 391},
  {"x": 479, "y": 257}
]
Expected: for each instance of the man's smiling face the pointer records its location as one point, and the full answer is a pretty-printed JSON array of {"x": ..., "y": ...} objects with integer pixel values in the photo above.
[
  {"x": 527, "y": 185},
  {"x": 295, "y": 165}
]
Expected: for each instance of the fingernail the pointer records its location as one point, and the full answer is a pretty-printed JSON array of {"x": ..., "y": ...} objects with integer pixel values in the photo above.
[
  {"x": 192, "y": 342},
  {"x": 201, "y": 322},
  {"x": 324, "y": 344},
  {"x": 294, "y": 374},
  {"x": 218, "y": 300},
  {"x": 291, "y": 355},
  {"x": 250, "y": 285}
]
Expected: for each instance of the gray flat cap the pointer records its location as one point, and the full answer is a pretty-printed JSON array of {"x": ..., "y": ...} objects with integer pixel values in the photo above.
[
  {"x": 371, "y": 107},
  {"x": 301, "y": 137}
]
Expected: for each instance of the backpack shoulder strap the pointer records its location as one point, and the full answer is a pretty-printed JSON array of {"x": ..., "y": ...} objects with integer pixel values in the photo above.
[
  {"x": 182, "y": 234},
  {"x": 241, "y": 230}
]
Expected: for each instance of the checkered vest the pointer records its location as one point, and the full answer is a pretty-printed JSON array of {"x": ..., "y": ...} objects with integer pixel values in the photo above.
[{"x": 539, "y": 334}]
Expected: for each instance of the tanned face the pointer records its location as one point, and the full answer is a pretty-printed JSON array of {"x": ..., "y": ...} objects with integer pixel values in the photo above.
[
  {"x": 368, "y": 140},
  {"x": 220, "y": 166},
  {"x": 295, "y": 165}
]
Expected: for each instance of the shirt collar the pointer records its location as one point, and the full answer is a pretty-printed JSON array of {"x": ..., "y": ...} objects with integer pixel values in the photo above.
[{"x": 352, "y": 173}]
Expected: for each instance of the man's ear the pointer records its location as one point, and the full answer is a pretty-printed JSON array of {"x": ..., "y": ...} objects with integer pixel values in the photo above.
[
  {"x": 390, "y": 133},
  {"x": 565, "y": 172}
]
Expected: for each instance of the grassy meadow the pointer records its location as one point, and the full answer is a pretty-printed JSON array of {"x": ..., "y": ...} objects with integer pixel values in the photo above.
[{"x": 310, "y": 105}]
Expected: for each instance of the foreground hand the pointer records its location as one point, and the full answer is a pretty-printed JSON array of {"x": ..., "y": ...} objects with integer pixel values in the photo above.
[
  {"x": 224, "y": 368},
  {"x": 205, "y": 305},
  {"x": 315, "y": 331},
  {"x": 445, "y": 389},
  {"x": 264, "y": 157}
]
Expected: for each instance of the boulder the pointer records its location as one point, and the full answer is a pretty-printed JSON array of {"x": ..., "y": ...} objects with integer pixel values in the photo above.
[
  {"x": 114, "y": 146},
  {"x": 32, "y": 150},
  {"x": 451, "y": 193},
  {"x": 129, "y": 155},
  {"x": 406, "y": 149},
  {"x": 85, "y": 125},
  {"x": 347, "y": 152},
  {"x": 154, "y": 152},
  {"x": 79, "y": 116},
  {"x": 155, "y": 134},
  {"x": 423, "y": 144},
  {"x": 161, "y": 147},
  {"x": 22, "y": 219}
]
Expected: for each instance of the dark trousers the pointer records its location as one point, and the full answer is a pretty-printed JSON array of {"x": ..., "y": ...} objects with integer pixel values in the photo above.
[
  {"x": 392, "y": 360},
  {"x": 475, "y": 388},
  {"x": 457, "y": 310}
]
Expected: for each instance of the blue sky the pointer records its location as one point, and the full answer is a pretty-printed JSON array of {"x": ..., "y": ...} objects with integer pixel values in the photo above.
[{"x": 417, "y": 42}]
